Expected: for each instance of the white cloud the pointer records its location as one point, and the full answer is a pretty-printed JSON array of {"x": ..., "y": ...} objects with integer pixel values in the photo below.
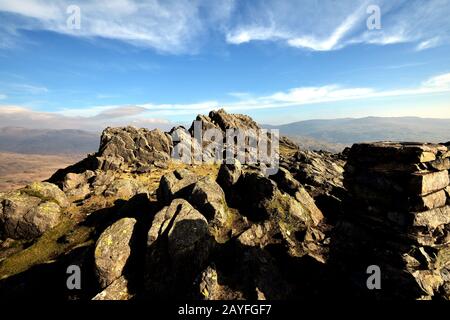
[
  {"x": 333, "y": 93},
  {"x": 167, "y": 26},
  {"x": 180, "y": 26},
  {"x": 11, "y": 115},
  {"x": 156, "y": 115},
  {"x": 427, "y": 44},
  {"x": 333, "y": 25}
]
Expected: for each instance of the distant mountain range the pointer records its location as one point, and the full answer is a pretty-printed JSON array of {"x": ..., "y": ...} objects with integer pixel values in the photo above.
[
  {"x": 337, "y": 133},
  {"x": 332, "y": 135},
  {"x": 48, "y": 141}
]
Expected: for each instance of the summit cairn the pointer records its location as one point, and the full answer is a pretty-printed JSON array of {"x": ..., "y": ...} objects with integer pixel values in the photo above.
[{"x": 398, "y": 196}]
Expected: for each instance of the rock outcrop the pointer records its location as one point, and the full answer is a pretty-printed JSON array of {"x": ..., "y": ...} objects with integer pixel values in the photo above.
[
  {"x": 397, "y": 204},
  {"x": 132, "y": 148},
  {"x": 29, "y": 212},
  {"x": 142, "y": 225},
  {"x": 112, "y": 250}
]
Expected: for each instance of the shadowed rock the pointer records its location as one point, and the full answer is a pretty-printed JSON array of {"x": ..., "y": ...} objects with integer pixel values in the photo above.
[{"x": 112, "y": 251}]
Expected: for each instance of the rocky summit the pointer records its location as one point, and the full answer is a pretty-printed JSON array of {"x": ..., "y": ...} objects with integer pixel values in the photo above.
[{"x": 132, "y": 222}]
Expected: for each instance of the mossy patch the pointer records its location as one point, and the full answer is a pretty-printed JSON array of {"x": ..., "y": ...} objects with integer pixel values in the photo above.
[{"x": 46, "y": 248}]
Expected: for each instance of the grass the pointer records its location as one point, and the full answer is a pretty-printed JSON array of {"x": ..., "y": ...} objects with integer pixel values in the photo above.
[{"x": 49, "y": 247}]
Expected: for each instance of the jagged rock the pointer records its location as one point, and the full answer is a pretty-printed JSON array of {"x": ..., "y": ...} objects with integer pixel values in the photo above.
[
  {"x": 129, "y": 147},
  {"x": 320, "y": 172},
  {"x": 175, "y": 184},
  {"x": 118, "y": 290},
  {"x": 76, "y": 180},
  {"x": 286, "y": 181},
  {"x": 229, "y": 174},
  {"x": 13, "y": 208},
  {"x": 122, "y": 188},
  {"x": 79, "y": 193},
  {"x": 29, "y": 212},
  {"x": 40, "y": 219},
  {"x": 288, "y": 184},
  {"x": 178, "y": 245},
  {"x": 47, "y": 192},
  {"x": 232, "y": 121},
  {"x": 258, "y": 235},
  {"x": 209, "y": 199},
  {"x": 206, "y": 124},
  {"x": 188, "y": 234},
  {"x": 102, "y": 180},
  {"x": 112, "y": 251},
  {"x": 263, "y": 200},
  {"x": 185, "y": 228},
  {"x": 186, "y": 149}
]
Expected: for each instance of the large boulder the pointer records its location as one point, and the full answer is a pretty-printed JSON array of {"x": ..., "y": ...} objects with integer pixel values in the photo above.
[
  {"x": 184, "y": 227},
  {"x": 76, "y": 180},
  {"x": 40, "y": 219},
  {"x": 76, "y": 185},
  {"x": 122, "y": 188},
  {"x": 175, "y": 185},
  {"x": 275, "y": 211},
  {"x": 288, "y": 184},
  {"x": 226, "y": 120},
  {"x": 31, "y": 211},
  {"x": 178, "y": 248},
  {"x": 208, "y": 197},
  {"x": 130, "y": 148},
  {"x": 229, "y": 174},
  {"x": 13, "y": 208},
  {"x": 112, "y": 250},
  {"x": 47, "y": 192}
]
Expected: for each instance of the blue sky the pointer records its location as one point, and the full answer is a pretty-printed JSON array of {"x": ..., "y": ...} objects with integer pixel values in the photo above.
[{"x": 155, "y": 63}]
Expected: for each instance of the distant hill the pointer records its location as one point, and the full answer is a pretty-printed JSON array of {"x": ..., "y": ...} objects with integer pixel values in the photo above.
[
  {"x": 350, "y": 130},
  {"x": 47, "y": 141}
]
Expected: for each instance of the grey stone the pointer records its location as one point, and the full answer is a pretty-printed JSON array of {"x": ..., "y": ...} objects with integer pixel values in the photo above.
[{"x": 112, "y": 250}]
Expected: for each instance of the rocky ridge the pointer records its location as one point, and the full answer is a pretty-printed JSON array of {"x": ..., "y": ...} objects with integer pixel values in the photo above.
[{"x": 142, "y": 225}]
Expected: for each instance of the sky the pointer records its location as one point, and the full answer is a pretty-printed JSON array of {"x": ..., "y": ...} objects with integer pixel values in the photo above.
[{"x": 91, "y": 64}]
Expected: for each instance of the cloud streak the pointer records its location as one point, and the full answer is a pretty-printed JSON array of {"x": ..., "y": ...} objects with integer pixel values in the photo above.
[
  {"x": 180, "y": 26},
  {"x": 156, "y": 115},
  {"x": 334, "y": 25},
  {"x": 112, "y": 116},
  {"x": 167, "y": 26}
]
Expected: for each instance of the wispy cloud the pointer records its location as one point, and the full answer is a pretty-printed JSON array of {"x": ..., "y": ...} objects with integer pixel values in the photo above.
[
  {"x": 427, "y": 44},
  {"x": 156, "y": 115},
  {"x": 114, "y": 116},
  {"x": 167, "y": 26},
  {"x": 3, "y": 96},
  {"x": 332, "y": 25},
  {"x": 333, "y": 93},
  {"x": 180, "y": 26}
]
